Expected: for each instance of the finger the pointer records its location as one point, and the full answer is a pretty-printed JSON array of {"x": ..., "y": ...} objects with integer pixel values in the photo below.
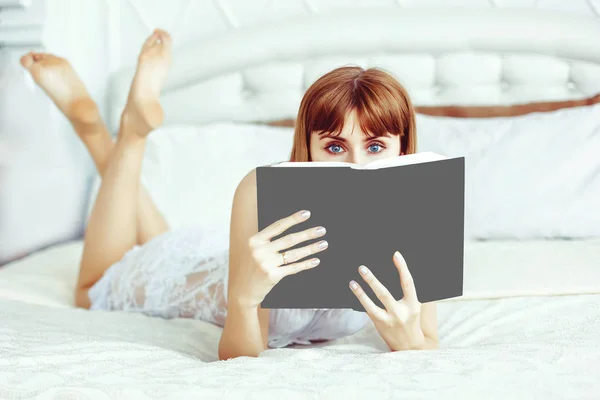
[
  {"x": 293, "y": 239},
  {"x": 380, "y": 291},
  {"x": 406, "y": 279},
  {"x": 371, "y": 308},
  {"x": 278, "y": 227},
  {"x": 291, "y": 269},
  {"x": 302, "y": 252}
]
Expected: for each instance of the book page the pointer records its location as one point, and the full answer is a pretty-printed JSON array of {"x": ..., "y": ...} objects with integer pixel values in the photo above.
[
  {"x": 313, "y": 164},
  {"x": 383, "y": 163},
  {"x": 408, "y": 159}
]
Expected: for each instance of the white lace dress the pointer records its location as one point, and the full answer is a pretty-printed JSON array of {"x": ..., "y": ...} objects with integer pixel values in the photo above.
[{"x": 183, "y": 274}]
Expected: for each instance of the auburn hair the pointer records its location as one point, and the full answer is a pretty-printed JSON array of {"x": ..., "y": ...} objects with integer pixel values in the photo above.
[{"x": 381, "y": 103}]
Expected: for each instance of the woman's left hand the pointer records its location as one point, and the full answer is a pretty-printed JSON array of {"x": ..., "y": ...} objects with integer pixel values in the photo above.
[{"x": 400, "y": 323}]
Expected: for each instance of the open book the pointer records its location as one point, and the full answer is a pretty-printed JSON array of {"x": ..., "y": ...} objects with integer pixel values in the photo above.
[
  {"x": 383, "y": 163},
  {"x": 413, "y": 204}
]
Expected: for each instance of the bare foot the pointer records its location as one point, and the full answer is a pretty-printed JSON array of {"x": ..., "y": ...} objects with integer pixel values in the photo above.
[
  {"x": 143, "y": 110},
  {"x": 60, "y": 82}
]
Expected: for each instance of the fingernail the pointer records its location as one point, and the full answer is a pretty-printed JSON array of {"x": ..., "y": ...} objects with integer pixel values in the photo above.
[
  {"x": 353, "y": 285},
  {"x": 322, "y": 245},
  {"x": 305, "y": 214},
  {"x": 397, "y": 256},
  {"x": 314, "y": 262},
  {"x": 363, "y": 270},
  {"x": 320, "y": 230}
]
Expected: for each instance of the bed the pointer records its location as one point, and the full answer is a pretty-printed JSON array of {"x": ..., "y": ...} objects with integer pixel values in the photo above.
[{"x": 528, "y": 325}]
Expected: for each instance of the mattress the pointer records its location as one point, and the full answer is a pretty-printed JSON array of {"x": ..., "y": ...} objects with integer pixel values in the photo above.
[{"x": 503, "y": 339}]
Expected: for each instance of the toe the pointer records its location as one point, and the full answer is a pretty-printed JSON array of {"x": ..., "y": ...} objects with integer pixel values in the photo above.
[
  {"x": 151, "y": 41},
  {"x": 38, "y": 56},
  {"x": 27, "y": 60},
  {"x": 166, "y": 37},
  {"x": 163, "y": 35}
]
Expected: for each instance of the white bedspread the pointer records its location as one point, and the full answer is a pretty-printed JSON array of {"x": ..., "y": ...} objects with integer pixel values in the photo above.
[{"x": 518, "y": 348}]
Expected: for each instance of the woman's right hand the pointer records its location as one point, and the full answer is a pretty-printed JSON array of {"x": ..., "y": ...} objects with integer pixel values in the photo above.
[{"x": 270, "y": 260}]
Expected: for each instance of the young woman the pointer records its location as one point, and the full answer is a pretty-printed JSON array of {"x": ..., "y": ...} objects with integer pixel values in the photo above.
[{"x": 131, "y": 260}]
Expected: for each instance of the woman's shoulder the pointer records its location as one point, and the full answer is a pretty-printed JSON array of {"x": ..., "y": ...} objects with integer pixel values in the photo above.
[
  {"x": 246, "y": 189},
  {"x": 248, "y": 184},
  {"x": 244, "y": 200},
  {"x": 245, "y": 194}
]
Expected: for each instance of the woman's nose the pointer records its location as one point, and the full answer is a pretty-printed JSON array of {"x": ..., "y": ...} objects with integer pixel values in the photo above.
[{"x": 358, "y": 158}]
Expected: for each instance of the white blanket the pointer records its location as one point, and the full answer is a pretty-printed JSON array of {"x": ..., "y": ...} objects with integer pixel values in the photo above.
[{"x": 519, "y": 348}]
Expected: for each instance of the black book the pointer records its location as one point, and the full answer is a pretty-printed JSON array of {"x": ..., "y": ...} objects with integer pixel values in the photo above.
[{"x": 413, "y": 204}]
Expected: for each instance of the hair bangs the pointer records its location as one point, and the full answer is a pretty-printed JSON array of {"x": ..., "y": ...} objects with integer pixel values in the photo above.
[
  {"x": 378, "y": 111},
  {"x": 329, "y": 111}
]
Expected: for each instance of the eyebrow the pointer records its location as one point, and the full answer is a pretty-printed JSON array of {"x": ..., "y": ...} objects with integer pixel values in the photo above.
[
  {"x": 341, "y": 139},
  {"x": 332, "y": 136}
]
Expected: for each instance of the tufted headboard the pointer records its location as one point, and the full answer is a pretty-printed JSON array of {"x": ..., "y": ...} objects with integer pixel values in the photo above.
[{"x": 444, "y": 56}]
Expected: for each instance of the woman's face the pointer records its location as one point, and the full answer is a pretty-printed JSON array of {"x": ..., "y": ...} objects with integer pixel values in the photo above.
[{"x": 353, "y": 145}]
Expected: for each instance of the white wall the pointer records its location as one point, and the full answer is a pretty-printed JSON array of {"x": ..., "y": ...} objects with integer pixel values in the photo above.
[
  {"x": 190, "y": 20},
  {"x": 45, "y": 172},
  {"x": 130, "y": 21}
]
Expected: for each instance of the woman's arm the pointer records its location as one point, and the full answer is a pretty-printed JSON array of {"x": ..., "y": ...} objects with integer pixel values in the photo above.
[
  {"x": 247, "y": 326},
  {"x": 245, "y": 332}
]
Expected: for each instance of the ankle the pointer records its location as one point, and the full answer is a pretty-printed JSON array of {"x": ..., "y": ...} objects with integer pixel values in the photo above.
[
  {"x": 130, "y": 139},
  {"x": 132, "y": 125},
  {"x": 84, "y": 112},
  {"x": 84, "y": 129}
]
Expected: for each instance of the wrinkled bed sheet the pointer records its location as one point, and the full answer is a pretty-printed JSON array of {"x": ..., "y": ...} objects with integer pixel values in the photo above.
[{"x": 518, "y": 347}]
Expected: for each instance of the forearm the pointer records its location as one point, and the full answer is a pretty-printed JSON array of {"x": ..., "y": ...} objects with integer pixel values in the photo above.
[{"x": 241, "y": 335}]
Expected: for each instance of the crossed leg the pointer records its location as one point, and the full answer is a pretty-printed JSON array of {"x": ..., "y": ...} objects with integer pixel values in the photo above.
[{"x": 123, "y": 214}]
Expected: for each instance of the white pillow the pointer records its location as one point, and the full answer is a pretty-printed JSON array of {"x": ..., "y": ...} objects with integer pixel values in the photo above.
[
  {"x": 531, "y": 176},
  {"x": 192, "y": 172}
]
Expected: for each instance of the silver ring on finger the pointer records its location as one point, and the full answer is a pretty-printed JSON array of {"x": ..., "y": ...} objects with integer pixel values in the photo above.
[{"x": 284, "y": 258}]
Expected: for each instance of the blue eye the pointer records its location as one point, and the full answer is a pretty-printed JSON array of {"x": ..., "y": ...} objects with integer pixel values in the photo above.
[
  {"x": 375, "y": 148},
  {"x": 334, "y": 148}
]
